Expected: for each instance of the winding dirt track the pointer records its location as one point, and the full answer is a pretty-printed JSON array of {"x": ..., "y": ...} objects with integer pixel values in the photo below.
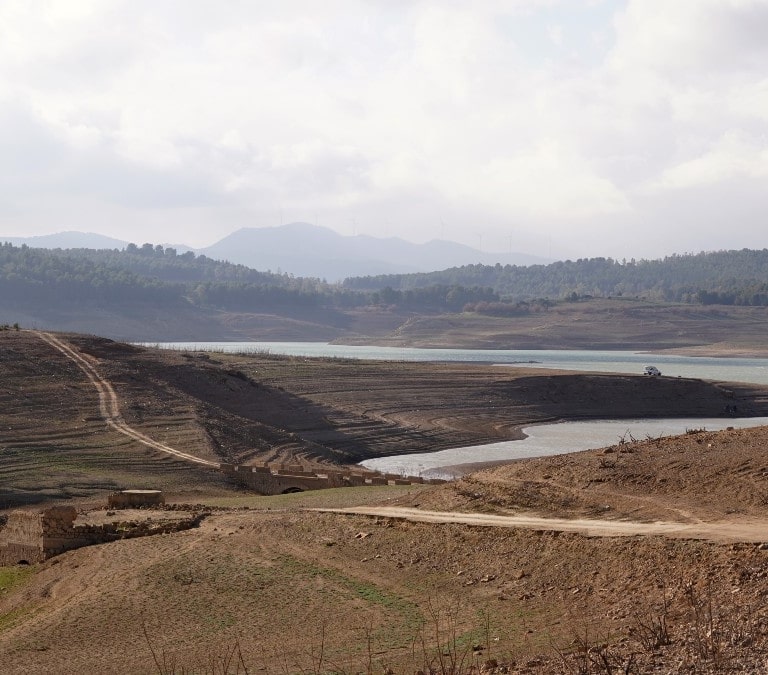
[
  {"x": 721, "y": 532},
  {"x": 109, "y": 406}
]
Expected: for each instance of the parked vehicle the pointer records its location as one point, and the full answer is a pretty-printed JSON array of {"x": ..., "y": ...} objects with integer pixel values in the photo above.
[{"x": 653, "y": 371}]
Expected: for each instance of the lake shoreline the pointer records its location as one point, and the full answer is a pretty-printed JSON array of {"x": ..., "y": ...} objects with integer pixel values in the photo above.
[
  {"x": 544, "y": 440},
  {"x": 356, "y": 404}
]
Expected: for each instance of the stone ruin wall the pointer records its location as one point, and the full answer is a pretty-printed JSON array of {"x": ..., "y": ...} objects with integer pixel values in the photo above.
[
  {"x": 274, "y": 480},
  {"x": 21, "y": 539},
  {"x": 32, "y": 537}
]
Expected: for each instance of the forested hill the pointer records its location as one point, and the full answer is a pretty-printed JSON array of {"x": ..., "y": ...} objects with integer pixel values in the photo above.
[
  {"x": 147, "y": 274},
  {"x": 722, "y": 277},
  {"x": 32, "y": 278}
]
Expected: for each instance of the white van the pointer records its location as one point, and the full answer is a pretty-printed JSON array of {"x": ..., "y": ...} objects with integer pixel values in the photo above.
[{"x": 653, "y": 371}]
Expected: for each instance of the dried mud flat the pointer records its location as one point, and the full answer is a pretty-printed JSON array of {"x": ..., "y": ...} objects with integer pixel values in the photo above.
[{"x": 291, "y": 590}]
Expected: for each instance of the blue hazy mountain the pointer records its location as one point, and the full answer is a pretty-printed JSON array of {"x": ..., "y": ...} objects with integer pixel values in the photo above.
[{"x": 308, "y": 250}]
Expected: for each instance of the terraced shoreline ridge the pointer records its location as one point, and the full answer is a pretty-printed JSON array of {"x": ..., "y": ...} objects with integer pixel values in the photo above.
[
  {"x": 262, "y": 478},
  {"x": 261, "y": 409}
]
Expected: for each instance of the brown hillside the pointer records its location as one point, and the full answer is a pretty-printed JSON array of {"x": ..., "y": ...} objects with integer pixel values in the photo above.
[
  {"x": 291, "y": 590},
  {"x": 240, "y": 408},
  {"x": 597, "y": 323}
]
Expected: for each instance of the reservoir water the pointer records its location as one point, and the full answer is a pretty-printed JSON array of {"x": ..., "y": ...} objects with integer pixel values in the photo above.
[
  {"x": 550, "y": 439},
  {"x": 542, "y": 439},
  {"x": 709, "y": 368}
]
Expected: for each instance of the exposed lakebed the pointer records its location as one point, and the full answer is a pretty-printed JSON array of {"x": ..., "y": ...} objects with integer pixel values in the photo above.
[{"x": 543, "y": 439}]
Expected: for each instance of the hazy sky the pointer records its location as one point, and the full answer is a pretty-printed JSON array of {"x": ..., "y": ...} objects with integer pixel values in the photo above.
[{"x": 570, "y": 128}]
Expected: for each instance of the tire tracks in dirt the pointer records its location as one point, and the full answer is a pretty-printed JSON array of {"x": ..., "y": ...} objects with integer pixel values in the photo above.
[
  {"x": 732, "y": 531},
  {"x": 109, "y": 405}
]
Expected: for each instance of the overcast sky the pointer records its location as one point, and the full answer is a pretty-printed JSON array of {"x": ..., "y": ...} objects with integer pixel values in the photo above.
[{"x": 562, "y": 128}]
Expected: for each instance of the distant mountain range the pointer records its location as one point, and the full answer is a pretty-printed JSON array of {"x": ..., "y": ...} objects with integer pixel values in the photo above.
[{"x": 306, "y": 250}]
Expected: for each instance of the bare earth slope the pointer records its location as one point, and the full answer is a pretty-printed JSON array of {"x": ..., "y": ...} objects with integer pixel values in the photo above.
[
  {"x": 597, "y": 323},
  {"x": 698, "y": 476},
  {"x": 299, "y": 591},
  {"x": 54, "y": 442}
]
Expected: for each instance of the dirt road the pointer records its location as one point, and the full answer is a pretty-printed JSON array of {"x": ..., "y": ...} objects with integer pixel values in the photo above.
[
  {"x": 109, "y": 405},
  {"x": 733, "y": 531}
]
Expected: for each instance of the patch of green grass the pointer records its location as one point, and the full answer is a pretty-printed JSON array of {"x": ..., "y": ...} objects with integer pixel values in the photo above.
[
  {"x": 411, "y": 617},
  {"x": 332, "y": 498},
  {"x": 13, "y": 577}
]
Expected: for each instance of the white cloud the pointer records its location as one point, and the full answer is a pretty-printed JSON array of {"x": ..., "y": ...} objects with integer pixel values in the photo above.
[
  {"x": 734, "y": 156},
  {"x": 692, "y": 39},
  {"x": 555, "y": 34},
  {"x": 538, "y": 112}
]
